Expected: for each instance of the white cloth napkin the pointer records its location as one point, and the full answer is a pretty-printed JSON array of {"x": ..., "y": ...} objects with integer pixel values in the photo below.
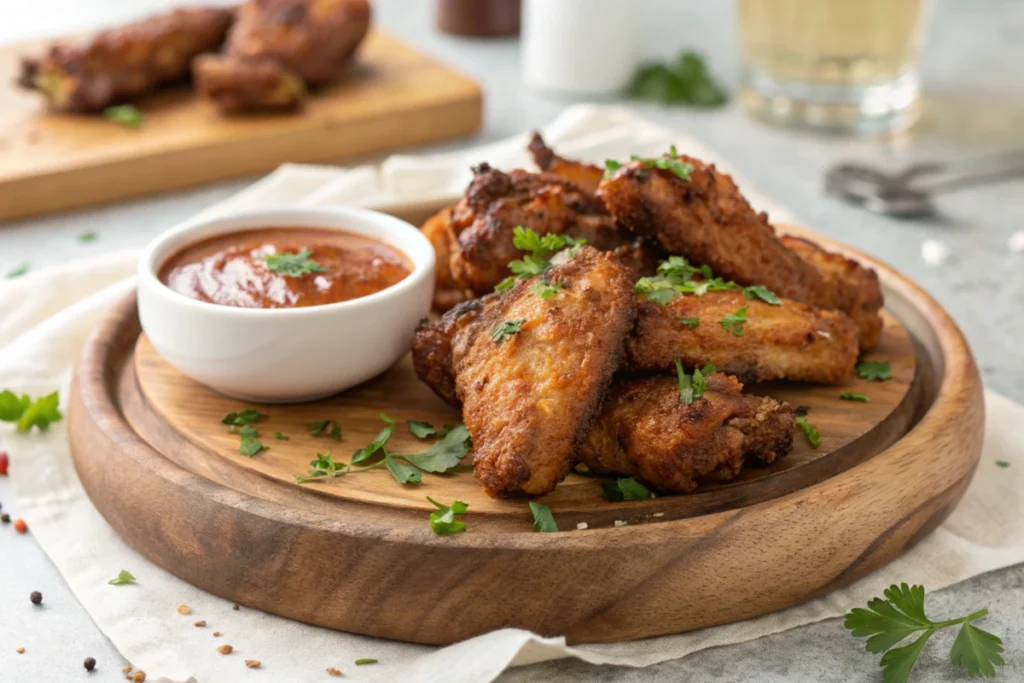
[{"x": 46, "y": 316}]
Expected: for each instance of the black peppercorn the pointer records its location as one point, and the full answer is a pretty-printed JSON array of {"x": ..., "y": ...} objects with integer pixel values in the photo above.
[
  {"x": 89, "y": 663},
  {"x": 36, "y": 597},
  {"x": 5, "y": 518}
]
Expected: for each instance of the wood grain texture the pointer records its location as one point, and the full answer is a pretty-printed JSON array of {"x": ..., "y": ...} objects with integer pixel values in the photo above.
[
  {"x": 160, "y": 468},
  {"x": 392, "y": 97}
]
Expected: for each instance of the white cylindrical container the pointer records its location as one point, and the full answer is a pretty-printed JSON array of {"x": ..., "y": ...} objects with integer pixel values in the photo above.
[{"x": 585, "y": 47}]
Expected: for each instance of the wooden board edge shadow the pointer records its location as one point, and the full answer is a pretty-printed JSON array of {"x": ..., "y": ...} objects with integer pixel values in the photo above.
[{"x": 685, "y": 574}]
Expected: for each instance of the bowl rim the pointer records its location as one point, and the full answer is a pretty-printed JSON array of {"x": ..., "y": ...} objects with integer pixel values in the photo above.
[{"x": 402, "y": 235}]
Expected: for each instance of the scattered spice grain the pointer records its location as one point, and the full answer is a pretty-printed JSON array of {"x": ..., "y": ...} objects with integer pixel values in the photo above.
[
  {"x": 184, "y": 609},
  {"x": 225, "y": 649},
  {"x": 216, "y": 634},
  {"x": 126, "y": 670},
  {"x": 36, "y": 597},
  {"x": 20, "y": 650},
  {"x": 252, "y": 663},
  {"x": 5, "y": 518},
  {"x": 332, "y": 671},
  {"x": 138, "y": 677},
  {"x": 235, "y": 606},
  {"x": 89, "y": 663},
  {"x": 20, "y": 526},
  {"x": 199, "y": 624}
]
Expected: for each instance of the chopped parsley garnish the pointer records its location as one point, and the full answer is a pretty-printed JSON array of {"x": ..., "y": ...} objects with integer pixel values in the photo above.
[
  {"x": 734, "y": 322},
  {"x": 323, "y": 467},
  {"x": 676, "y": 276},
  {"x": 250, "y": 445},
  {"x": 763, "y": 293},
  {"x": 625, "y": 489},
  {"x": 686, "y": 80},
  {"x": 87, "y": 237},
  {"x": 123, "y": 577},
  {"x": 425, "y": 430},
  {"x": 1003, "y": 463},
  {"x": 809, "y": 430},
  {"x": 692, "y": 387},
  {"x": 692, "y": 323},
  {"x": 329, "y": 428},
  {"x": 666, "y": 162},
  {"x": 540, "y": 249},
  {"x": 504, "y": 330},
  {"x": 874, "y": 371},
  {"x": 545, "y": 290},
  {"x": 294, "y": 265},
  {"x": 367, "y": 451},
  {"x": 125, "y": 114},
  {"x": 365, "y": 660},
  {"x": 18, "y": 271},
  {"x": 900, "y": 614},
  {"x": 241, "y": 423},
  {"x": 27, "y": 413},
  {"x": 281, "y": 436},
  {"x": 243, "y": 417},
  {"x": 854, "y": 396},
  {"x": 403, "y": 472},
  {"x": 443, "y": 521},
  {"x": 542, "y": 518}
]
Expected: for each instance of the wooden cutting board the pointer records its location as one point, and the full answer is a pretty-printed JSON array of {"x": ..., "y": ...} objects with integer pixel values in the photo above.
[
  {"x": 393, "y": 97},
  {"x": 156, "y": 461}
]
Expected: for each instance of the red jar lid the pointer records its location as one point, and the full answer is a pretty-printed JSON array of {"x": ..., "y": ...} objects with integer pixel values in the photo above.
[{"x": 478, "y": 17}]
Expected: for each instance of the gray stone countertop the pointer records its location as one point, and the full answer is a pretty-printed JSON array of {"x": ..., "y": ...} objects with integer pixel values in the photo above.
[{"x": 974, "y": 99}]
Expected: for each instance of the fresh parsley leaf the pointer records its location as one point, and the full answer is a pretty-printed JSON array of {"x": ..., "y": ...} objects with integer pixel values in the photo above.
[
  {"x": 335, "y": 432},
  {"x": 734, "y": 322},
  {"x": 543, "y": 520},
  {"x": 610, "y": 167},
  {"x": 507, "y": 283},
  {"x": 243, "y": 417},
  {"x": 365, "y": 660},
  {"x": 443, "y": 455},
  {"x": 692, "y": 387},
  {"x": 248, "y": 430},
  {"x": 809, "y": 430},
  {"x": 1003, "y": 463},
  {"x": 686, "y": 80},
  {"x": 26, "y": 413},
  {"x": 889, "y": 621},
  {"x": 250, "y": 446},
  {"x": 403, "y": 473},
  {"x": 443, "y": 521},
  {"x": 545, "y": 290},
  {"x": 676, "y": 276},
  {"x": 501, "y": 332},
  {"x": 123, "y": 577},
  {"x": 294, "y": 265},
  {"x": 625, "y": 489},
  {"x": 763, "y": 293},
  {"x": 666, "y": 162},
  {"x": 125, "y": 114},
  {"x": 368, "y": 451},
  {"x": 854, "y": 396},
  {"x": 692, "y": 323},
  {"x": 18, "y": 271},
  {"x": 281, "y": 436},
  {"x": 86, "y": 237},
  {"x": 324, "y": 467},
  {"x": 320, "y": 428},
  {"x": 541, "y": 248},
  {"x": 421, "y": 430},
  {"x": 874, "y": 371}
]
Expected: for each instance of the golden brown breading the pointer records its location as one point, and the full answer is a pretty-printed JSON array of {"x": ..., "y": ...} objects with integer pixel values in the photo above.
[
  {"x": 528, "y": 397},
  {"x": 791, "y": 341},
  {"x": 585, "y": 176},
  {"x": 643, "y": 430},
  {"x": 707, "y": 220},
  {"x": 293, "y": 41},
  {"x": 122, "y": 63},
  {"x": 447, "y": 290},
  {"x": 496, "y": 203},
  {"x": 858, "y": 287}
]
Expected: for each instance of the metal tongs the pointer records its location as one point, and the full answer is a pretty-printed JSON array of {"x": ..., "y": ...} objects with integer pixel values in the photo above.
[{"x": 908, "y": 194}]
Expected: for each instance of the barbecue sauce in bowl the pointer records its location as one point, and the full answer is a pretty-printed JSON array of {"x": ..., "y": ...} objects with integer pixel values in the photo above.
[{"x": 286, "y": 267}]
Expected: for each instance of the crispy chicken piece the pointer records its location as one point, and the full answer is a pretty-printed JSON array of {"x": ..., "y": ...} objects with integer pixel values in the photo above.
[
  {"x": 278, "y": 48},
  {"x": 529, "y": 394},
  {"x": 119, "y": 64},
  {"x": 585, "y": 176},
  {"x": 496, "y": 203},
  {"x": 643, "y": 430},
  {"x": 707, "y": 220},
  {"x": 858, "y": 287},
  {"x": 791, "y": 341},
  {"x": 447, "y": 290}
]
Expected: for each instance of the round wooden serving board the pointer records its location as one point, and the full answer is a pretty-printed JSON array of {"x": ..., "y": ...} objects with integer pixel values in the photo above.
[{"x": 356, "y": 553}]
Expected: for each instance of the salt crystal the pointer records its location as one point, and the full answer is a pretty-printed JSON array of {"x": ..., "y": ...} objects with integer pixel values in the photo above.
[
  {"x": 934, "y": 252},
  {"x": 581, "y": 526},
  {"x": 621, "y": 522},
  {"x": 658, "y": 514},
  {"x": 1016, "y": 242}
]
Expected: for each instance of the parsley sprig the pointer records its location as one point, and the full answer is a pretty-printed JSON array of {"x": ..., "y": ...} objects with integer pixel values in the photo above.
[
  {"x": 27, "y": 413},
  {"x": 294, "y": 265},
  {"x": 443, "y": 521},
  {"x": 241, "y": 423},
  {"x": 685, "y": 80},
  {"x": 627, "y": 488},
  {"x": 506, "y": 329},
  {"x": 874, "y": 371},
  {"x": 809, "y": 430},
  {"x": 125, "y": 114},
  {"x": 540, "y": 250},
  {"x": 692, "y": 387},
  {"x": 675, "y": 276},
  {"x": 328, "y": 428},
  {"x": 735, "y": 321},
  {"x": 425, "y": 430},
  {"x": 123, "y": 577},
  {"x": 543, "y": 520},
  {"x": 900, "y": 614},
  {"x": 666, "y": 162}
]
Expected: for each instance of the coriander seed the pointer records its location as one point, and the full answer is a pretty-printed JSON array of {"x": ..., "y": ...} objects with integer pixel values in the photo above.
[
  {"x": 36, "y": 597},
  {"x": 89, "y": 663}
]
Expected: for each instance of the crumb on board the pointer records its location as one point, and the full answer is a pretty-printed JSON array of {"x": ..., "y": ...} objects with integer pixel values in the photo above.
[
  {"x": 184, "y": 609},
  {"x": 581, "y": 526},
  {"x": 20, "y": 650},
  {"x": 225, "y": 649},
  {"x": 199, "y": 624},
  {"x": 235, "y": 606},
  {"x": 252, "y": 663},
  {"x": 621, "y": 522},
  {"x": 126, "y": 669},
  {"x": 658, "y": 514},
  {"x": 138, "y": 677},
  {"x": 334, "y": 672},
  {"x": 216, "y": 634}
]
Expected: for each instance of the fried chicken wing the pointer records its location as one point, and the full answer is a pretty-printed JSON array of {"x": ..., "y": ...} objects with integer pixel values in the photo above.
[
  {"x": 858, "y": 287},
  {"x": 584, "y": 176},
  {"x": 535, "y": 371},
  {"x": 793, "y": 341},
  {"x": 447, "y": 290},
  {"x": 278, "y": 48},
  {"x": 707, "y": 220},
  {"x": 643, "y": 430},
  {"x": 496, "y": 203},
  {"x": 122, "y": 63}
]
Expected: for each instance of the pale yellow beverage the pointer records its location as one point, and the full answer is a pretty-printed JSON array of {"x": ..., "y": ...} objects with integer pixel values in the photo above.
[{"x": 848, "y": 64}]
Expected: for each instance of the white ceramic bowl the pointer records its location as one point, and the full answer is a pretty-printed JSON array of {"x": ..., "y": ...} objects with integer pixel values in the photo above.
[{"x": 286, "y": 354}]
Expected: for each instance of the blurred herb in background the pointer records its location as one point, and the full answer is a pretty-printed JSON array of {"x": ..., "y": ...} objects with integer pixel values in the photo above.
[{"x": 685, "y": 80}]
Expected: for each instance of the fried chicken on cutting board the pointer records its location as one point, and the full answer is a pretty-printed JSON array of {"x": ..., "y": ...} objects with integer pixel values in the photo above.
[
  {"x": 533, "y": 370},
  {"x": 122, "y": 63}
]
